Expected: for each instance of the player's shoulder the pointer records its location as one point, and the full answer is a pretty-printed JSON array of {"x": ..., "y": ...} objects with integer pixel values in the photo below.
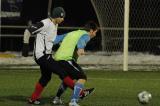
[
  {"x": 46, "y": 21},
  {"x": 85, "y": 37}
]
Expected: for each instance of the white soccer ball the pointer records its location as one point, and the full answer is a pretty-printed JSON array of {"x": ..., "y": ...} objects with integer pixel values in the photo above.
[{"x": 144, "y": 97}]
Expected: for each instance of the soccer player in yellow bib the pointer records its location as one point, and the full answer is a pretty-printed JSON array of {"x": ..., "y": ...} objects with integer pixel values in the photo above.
[{"x": 64, "y": 56}]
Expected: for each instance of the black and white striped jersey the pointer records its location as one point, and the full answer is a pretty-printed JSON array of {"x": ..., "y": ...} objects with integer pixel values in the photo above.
[{"x": 45, "y": 32}]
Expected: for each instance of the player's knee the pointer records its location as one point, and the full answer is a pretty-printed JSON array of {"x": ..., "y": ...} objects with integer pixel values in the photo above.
[
  {"x": 84, "y": 77},
  {"x": 44, "y": 80},
  {"x": 62, "y": 77},
  {"x": 82, "y": 81}
]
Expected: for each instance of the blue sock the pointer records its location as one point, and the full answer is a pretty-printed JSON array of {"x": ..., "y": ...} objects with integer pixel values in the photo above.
[{"x": 77, "y": 89}]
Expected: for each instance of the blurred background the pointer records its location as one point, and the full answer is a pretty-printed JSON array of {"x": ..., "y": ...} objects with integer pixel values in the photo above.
[
  {"x": 22, "y": 12},
  {"x": 104, "y": 59},
  {"x": 144, "y": 27}
]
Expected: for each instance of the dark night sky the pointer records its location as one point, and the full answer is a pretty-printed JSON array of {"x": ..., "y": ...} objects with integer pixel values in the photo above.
[{"x": 77, "y": 11}]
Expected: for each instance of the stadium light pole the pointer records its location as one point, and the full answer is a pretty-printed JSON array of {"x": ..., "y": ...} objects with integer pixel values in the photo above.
[
  {"x": 49, "y": 7},
  {"x": 126, "y": 34}
]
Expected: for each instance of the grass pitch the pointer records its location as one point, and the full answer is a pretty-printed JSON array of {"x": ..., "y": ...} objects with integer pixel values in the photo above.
[{"x": 112, "y": 88}]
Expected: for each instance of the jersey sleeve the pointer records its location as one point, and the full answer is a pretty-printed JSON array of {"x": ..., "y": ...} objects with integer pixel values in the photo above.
[
  {"x": 35, "y": 28},
  {"x": 59, "y": 39},
  {"x": 83, "y": 41}
]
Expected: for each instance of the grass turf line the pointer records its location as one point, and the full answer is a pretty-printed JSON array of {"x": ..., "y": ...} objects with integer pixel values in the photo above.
[{"x": 112, "y": 88}]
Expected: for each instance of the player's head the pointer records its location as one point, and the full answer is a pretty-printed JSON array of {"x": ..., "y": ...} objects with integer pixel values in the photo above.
[
  {"x": 92, "y": 28},
  {"x": 58, "y": 14}
]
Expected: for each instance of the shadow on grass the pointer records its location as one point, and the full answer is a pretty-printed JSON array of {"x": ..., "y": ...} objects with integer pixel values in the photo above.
[
  {"x": 13, "y": 98},
  {"x": 46, "y": 101}
]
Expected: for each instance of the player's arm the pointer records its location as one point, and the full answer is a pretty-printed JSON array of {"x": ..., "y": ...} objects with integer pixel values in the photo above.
[
  {"x": 59, "y": 39},
  {"x": 31, "y": 30},
  {"x": 82, "y": 44}
]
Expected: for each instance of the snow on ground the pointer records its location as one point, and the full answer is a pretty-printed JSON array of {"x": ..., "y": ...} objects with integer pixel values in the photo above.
[{"x": 93, "y": 60}]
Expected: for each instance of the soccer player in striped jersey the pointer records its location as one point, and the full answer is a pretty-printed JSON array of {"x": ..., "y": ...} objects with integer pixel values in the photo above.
[
  {"x": 46, "y": 32},
  {"x": 64, "y": 56}
]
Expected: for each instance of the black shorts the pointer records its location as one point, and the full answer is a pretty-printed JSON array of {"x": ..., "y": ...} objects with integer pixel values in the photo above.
[
  {"x": 48, "y": 65},
  {"x": 73, "y": 69}
]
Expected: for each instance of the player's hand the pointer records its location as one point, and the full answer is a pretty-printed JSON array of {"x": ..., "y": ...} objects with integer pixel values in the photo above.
[
  {"x": 25, "y": 49},
  {"x": 80, "y": 52},
  {"x": 26, "y": 36}
]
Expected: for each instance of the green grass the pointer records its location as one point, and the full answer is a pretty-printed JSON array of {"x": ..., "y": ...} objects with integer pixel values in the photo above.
[{"x": 115, "y": 88}]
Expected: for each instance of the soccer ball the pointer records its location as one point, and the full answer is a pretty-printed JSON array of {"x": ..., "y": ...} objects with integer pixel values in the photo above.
[{"x": 144, "y": 97}]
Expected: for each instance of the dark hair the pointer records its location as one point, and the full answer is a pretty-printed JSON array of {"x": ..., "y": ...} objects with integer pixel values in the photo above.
[{"x": 91, "y": 25}]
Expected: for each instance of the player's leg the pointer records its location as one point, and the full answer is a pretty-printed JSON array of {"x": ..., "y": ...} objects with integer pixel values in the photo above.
[
  {"x": 74, "y": 75},
  {"x": 82, "y": 75},
  {"x": 67, "y": 81},
  {"x": 79, "y": 86},
  {"x": 78, "y": 74},
  {"x": 43, "y": 81},
  {"x": 61, "y": 72},
  {"x": 71, "y": 68},
  {"x": 57, "y": 99},
  {"x": 61, "y": 89},
  {"x": 63, "y": 86}
]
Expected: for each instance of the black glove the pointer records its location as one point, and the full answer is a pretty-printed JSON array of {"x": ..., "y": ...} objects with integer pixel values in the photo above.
[{"x": 25, "y": 49}]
